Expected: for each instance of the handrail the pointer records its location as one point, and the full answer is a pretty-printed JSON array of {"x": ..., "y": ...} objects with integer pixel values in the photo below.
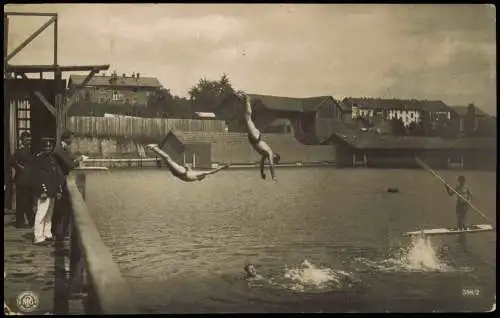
[{"x": 110, "y": 288}]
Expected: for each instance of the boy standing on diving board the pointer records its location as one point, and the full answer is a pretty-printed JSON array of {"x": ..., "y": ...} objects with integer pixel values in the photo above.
[{"x": 462, "y": 206}]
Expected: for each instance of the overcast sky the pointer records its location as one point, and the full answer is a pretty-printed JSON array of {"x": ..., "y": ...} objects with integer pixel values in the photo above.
[{"x": 445, "y": 52}]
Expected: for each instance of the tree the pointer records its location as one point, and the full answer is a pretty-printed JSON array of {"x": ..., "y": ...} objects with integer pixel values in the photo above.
[
  {"x": 425, "y": 124},
  {"x": 398, "y": 127},
  {"x": 469, "y": 120},
  {"x": 487, "y": 128},
  {"x": 415, "y": 129},
  {"x": 159, "y": 104},
  {"x": 364, "y": 121},
  {"x": 181, "y": 108},
  {"x": 206, "y": 95}
]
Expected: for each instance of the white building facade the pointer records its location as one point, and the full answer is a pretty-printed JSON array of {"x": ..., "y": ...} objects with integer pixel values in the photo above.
[{"x": 408, "y": 111}]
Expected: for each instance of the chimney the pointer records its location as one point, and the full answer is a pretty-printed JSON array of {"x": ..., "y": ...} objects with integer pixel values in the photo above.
[
  {"x": 123, "y": 75},
  {"x": 133, "y": 75},
  {"x": 138, "y": 74}
]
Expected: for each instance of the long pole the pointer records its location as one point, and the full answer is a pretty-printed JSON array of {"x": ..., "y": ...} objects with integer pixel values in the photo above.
[{"x": 426, "y": 167}]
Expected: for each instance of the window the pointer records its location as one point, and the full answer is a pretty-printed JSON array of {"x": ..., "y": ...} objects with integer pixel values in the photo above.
[
  {"x": 23, "y": 116},
  {"x": 134, "y": 89},
  {"x": 411, "y": 115},
  {"x": 116, "y": 97}
]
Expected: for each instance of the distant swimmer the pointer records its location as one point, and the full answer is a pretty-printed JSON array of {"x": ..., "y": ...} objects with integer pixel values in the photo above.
[
  {"x": 184, "y": 173},
  {"x": 254, "y": 136},
  {"x": 462, "y": 205},
  {"x": 251, "y": 272}
]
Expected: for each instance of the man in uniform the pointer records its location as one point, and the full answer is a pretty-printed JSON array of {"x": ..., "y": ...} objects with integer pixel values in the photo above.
[
  {"x": 48, "y": 180},
  {"x": 21, "y": 161},
  {"x": 67, "y": 162}
]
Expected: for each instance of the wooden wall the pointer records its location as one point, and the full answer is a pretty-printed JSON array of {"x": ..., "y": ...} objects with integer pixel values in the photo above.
[{"x": 138, "y": 128}]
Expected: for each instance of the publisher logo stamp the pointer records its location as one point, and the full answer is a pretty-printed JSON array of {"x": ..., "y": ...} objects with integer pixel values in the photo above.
[
  {"x": 470, "y": 292},
  {"x": 27, "y": 301}
]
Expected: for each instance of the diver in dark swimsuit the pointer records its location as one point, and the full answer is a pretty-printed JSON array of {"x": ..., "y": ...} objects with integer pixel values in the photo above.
[
  {"x": 254, "y": 137},
  {"x": 184, "y": 173}
]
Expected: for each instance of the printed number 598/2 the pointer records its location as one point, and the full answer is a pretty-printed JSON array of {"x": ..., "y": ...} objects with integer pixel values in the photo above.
[{"x": 470, "y": 292}]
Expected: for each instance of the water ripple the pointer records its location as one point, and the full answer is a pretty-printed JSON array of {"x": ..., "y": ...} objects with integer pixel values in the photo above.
[{"x": 183, "y": 246}]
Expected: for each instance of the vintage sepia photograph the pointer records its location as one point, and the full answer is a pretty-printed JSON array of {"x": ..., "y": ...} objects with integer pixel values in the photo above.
[{"x": 249, "y": 158}]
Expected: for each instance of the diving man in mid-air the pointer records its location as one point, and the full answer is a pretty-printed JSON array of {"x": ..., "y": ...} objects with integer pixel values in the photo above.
[
  {"x": 184, "y": 173},
  {"x": 257, "y": 143}
]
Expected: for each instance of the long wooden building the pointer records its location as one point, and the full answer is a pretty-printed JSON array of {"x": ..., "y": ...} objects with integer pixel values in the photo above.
[
  {"x": 369, "y": 149},
  {"x": 311, "y": 118}
]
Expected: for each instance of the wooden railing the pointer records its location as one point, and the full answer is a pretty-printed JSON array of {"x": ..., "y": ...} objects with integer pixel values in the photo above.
[{"x": 92, "y": 269}]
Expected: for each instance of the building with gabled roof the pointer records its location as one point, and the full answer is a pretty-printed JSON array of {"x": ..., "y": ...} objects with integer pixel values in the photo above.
[
  {"x": 311, "y": 117},
  {"x": 480, "y": 117},
  {"x": 409, "y": 110},
  {"x": 369, "y": 149},
  {"x": 131, "y": 90}
]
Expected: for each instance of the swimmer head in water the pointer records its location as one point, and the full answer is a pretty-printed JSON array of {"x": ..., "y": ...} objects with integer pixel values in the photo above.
[
  {"x": 250, "y": 271},
  {"x": 276, "y": 158}
]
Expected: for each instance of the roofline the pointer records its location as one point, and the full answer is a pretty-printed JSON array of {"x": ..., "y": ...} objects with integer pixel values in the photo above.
[
  {"x": 397, "y": 99},
  {"x": 302, "y": 110},
  {"x": 121, "y": 85},
  {"x": 300, "y": 98}
]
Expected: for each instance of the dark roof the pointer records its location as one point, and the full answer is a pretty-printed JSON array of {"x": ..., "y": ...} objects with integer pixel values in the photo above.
[
  {"x": 462, "y": 111},
  {"x": 100, "y": 80},
  {"x": 370, "y": 140},
  {"x": 308, "y": 104},
  {"x": 413, "y": 104},
  {"x": 346, "y": 107},
  {"x": 474, "y": 143},
  {"x": 280, "y": 122}
]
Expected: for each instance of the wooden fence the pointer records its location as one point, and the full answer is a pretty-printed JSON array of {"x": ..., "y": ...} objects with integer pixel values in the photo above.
[{"x": 138, "y": 128}]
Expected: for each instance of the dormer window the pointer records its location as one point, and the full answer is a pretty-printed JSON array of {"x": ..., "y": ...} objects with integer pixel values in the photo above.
[{"x": 116, "y": 97}]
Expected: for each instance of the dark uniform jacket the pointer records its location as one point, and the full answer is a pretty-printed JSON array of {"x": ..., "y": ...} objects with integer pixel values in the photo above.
[
  {"x": 47, "y": 175},
  {"x": 24, "y": 158},
  {"x": 65, "y": 159}
]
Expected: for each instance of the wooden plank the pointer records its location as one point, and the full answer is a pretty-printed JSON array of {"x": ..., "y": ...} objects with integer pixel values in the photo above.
[
  {"x": 33, "y": 14},
  {"x": 46, "y": 103},
  {"x": 29, "y": 39},
  {"x": 52, "y": 68},
  {"x": 475, "y": 228},
  {"x": 112, "y": 291},
  {"x": 42, "y": 98},
  {"x": 71, "y": 94},
  {"x": 122, "y": 160},
  {"x": 31, "y": 268}
]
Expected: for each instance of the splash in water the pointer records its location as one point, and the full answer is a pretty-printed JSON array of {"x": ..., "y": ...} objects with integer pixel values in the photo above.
[
  {"x": 308, "y": 277},
  {"x": 420, "y": 255}
]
